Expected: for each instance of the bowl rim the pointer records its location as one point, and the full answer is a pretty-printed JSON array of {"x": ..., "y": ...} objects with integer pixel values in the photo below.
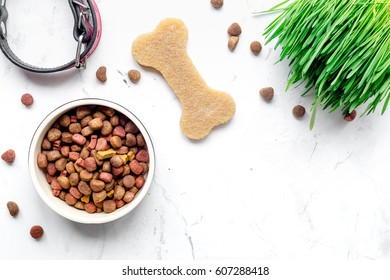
[{"x": 56, "y": 205}]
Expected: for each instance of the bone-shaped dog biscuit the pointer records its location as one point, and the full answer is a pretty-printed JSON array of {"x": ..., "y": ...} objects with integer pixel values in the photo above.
[{"x": 164, "y": 49}]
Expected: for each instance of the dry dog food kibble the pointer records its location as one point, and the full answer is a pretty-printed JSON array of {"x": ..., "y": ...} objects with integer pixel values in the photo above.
[
  {"x": 134, "y": 75},
  {"x": 94, "y": 171},
  {"x": 299, "y": 111},
  {"x": 232, "y": 43},
  {"x": 256, "y": 47},
  {"x": 36, "y": 232},
  {"x": 234, "y": 29},
  {"x": 13, "y": 208},
  {"x": 101, "y": 74},
  {"x": 267, "y": 93},
  {"x": 27, "y": 99},
  {"x": 8, "y": 156},
  {"x": 350, "y": 116},
  {"x": 217, "y": 3}
]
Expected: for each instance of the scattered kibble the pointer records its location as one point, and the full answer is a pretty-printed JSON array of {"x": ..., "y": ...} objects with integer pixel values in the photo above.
[
  {"x": 101, "y": 74},
  {"x": 13, "y": 208},
  {"x": 217, "y": 4},
  {"x": 8, "y": 156},
  {"x": 232, "y": 43},
  {"x": 36, "y": 232},
  {"x": 27, "y": 99},
  {"x": 350, "y": 116},
  {"x": 267, "y": 93},
  {"x": 234, "y": 29},
  {"x": 134, "y": 75},
  {"x": 299, "y": 111},
  {"x": 256, "y": 47}
]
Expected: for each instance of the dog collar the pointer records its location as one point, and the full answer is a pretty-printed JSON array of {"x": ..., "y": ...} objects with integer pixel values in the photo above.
[{"x": 87, "y": 32}]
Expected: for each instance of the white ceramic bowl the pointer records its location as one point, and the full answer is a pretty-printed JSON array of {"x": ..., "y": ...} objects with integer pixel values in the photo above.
[{"x": 44, "y": 189}]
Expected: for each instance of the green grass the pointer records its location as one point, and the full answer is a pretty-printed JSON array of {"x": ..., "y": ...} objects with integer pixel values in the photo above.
[{"x": 341, "y": 48}]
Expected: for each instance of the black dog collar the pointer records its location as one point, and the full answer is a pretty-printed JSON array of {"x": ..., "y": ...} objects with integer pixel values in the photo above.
[{"x": 87, "y": 32}]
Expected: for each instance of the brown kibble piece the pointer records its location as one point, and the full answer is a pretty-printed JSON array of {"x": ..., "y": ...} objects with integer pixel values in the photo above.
[
  {"x": 107, "y": 111},
  {"x": 128, "y": 197},
  {"x": 109, "y": 206},
  {"x": 232, "y": 43},
  {"x": 122, "y": 150},
  {"x": 8, "y": 156},
  {"x": 116, "y": 142},
  {"x": 13, "y": 208},
  {"x": 53, "y": 134},
  {"x": 140, "y": 140},
  {"x": 96, "y": 124},
  {"x": 350, "y": 116},
  {"x": 299, "y": 111},
  {"x": 84, "y": 188},
  {"x": 131, "y": 140},
  {"x": 99, "y": 115},
  {"x": 101, "y": 74},
  {"x": 134, "y": 190},
  {"x": 267, "y": 93},
  {"x": 36, "y": 232},
  {"x": 119, "y": 192},
  {"x": 116, "y": 161},
  {"x": 114, "y": 120},
  {"x": 145, "y": 167},
  {"x": 46, "y": 145},
  {"x": 134, "y": 75},
  {"x": 106, "y": 128},
  {"x": 87, "y": 131},
  {"x": 217, "y": 4},
  {"x": 97, "y": 185},
  {"x": 256, "y": 47},
  {"x": 131, "y": 127},
  {"x": 79, "y": 205},
  {"x": 60, "y": 164},
  {"x": 128, "y": 181},
  {"x": 53, "y": 155},
  {"x": 62, "y": 195},
  {"x": 234, "y": 29},
  {"x": 64, "y": 182},
  {"x": 82, "y": 112},
  {"x": 64, "y": 120},
  {"x": 99, "y": 196},
  {"x": 42, "y": 161},
  {"x": 74, "y": 179},
  {"x": 27, "y": 99},
  {"x": 84, "y": 121},
  {"x": 85, "y": 175}
]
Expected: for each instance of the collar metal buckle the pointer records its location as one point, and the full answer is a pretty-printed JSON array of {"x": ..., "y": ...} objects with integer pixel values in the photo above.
[
  {"x": 78, "y": 62},
  {"x": 84, "y": 16}
]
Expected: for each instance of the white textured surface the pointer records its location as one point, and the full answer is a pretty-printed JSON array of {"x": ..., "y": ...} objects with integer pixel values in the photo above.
[{"x": 263, "y": 186}]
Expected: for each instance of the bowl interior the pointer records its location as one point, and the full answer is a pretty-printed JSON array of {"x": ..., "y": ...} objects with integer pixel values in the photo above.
[{"x": 44, "y": 189}]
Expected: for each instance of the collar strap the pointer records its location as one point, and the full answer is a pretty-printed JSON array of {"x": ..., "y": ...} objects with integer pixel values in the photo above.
[{"x": 87, "y": 32}]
